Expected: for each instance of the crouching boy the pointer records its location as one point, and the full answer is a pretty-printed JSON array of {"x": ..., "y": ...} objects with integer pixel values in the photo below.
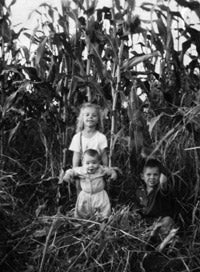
[{"x": 155, "y": 203}]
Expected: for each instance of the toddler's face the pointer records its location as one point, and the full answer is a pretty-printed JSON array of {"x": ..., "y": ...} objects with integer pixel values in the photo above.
[
  {"x": 90, "y": 117},
  {"x": 90, "y": 163},
  {"x": 151, "y": 176}
]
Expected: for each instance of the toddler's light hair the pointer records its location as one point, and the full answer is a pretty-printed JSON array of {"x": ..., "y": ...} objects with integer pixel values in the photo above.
[{"x": 80, "y": 123}]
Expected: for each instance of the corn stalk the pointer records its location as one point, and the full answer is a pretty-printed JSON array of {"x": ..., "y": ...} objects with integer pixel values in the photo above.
[
  {"x": 136, "y": 121},
  {"x": 2, "y": 102},
  {"x": 88, "y": 48},
  {"x": 115, "y": 93}
]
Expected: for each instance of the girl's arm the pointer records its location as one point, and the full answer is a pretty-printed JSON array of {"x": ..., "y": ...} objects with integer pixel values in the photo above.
[
  {"x": 76, "y": 160},
  {"x": 104, "y": 157}
]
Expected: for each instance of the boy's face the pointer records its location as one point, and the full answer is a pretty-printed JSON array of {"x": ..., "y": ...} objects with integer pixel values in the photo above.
[
  {"x": 90, "y": 163},
  {"x": 151, "y": 176}
]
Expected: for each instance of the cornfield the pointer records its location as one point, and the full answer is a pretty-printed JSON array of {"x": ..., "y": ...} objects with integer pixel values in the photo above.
[{"x": 136, "y": 70}]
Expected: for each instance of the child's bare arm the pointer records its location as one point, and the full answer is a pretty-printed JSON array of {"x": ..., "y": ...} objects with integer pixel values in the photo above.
[
  {"x": 104, "y": 157},
  {"x": 76, "y": 159},
  {"x": 69, "y": 175}
]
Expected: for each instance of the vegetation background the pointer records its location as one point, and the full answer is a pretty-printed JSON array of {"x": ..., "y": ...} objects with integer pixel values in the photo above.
[{"x": 146, "y": 76}]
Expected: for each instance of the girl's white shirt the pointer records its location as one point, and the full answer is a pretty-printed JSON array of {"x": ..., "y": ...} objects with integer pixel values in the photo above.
[{"x": 80, "y": 143}]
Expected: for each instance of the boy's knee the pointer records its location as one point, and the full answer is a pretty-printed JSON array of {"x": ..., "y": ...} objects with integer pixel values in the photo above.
[{"x": 166, "y": 224}]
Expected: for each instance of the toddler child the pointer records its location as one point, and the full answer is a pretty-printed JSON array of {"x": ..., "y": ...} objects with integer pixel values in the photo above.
[{"x": 92, "y": 199}]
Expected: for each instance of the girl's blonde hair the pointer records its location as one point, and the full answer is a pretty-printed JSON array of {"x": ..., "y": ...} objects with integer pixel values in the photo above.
[{"x": 80, "y": 124}]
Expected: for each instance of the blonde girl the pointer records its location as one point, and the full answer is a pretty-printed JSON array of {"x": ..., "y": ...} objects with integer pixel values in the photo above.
[{"x": 88, "y": 135}]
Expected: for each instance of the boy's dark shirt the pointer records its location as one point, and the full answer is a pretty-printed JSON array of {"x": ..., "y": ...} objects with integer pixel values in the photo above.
[{"x": 155, "y": 204}]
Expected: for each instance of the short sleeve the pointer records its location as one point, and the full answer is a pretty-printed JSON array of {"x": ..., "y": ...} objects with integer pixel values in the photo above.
[
  {"x": 103, "y": 143},
  {"x": 75, "y": 143},
  {"x": 97, "y": 142}
]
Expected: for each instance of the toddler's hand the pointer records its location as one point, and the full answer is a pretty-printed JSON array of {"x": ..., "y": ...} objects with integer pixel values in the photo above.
[
  {"x": 113, "y": 175},
  {"x": 68, "y": 175}
]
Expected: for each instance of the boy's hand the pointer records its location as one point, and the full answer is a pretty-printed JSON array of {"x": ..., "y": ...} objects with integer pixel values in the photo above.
[{"x": 163, "y": 182}]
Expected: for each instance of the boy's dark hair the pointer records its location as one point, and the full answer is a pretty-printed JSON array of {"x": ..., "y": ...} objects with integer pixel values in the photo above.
[
  {"x": 151, "y": 163},
  {"x": 91, "y": 152}
]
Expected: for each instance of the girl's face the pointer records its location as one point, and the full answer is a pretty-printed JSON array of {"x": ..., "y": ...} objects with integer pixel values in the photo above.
[{"x": 90, "y": 117}]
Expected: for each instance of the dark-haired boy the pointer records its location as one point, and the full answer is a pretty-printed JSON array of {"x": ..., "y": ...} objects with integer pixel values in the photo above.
[{"x": 155, "y": 199}]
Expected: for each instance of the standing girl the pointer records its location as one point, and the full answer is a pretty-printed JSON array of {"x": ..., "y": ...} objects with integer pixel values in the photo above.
[{"x": 88, "y": 135}]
